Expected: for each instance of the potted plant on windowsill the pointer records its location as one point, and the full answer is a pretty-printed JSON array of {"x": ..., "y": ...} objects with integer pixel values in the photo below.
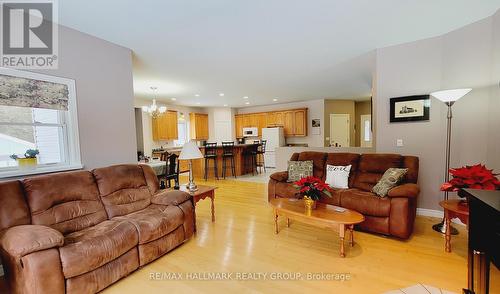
[
  {"x": 311, "y": 188},
  {"x": 29, "y": 161},
  {"x": 473, "y": 177}
]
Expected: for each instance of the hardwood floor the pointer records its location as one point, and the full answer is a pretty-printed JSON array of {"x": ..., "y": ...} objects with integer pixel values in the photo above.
[{"x": 243, "y": 240}]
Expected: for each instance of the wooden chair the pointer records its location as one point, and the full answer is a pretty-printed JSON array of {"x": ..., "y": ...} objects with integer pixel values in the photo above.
[{"x": 172, "y": 172}]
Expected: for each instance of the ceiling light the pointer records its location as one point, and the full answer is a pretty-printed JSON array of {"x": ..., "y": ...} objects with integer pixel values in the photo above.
[
  {"x": 173, "y": 99},
  {"x": 198, "y": 103},
  {"x": 247, "y": 103},
  {"x": 246, "y": 97},
  {"x": 275, "y": 99},
  {"x": 225, "y": 105},
  {"x": 221, "y": 94},
  {"x": 197, "y": 95},
  {"x": 154, "y": 110}
]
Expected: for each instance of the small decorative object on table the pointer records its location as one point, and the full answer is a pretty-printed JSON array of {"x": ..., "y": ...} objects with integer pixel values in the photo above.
[
  {"x": 29, "y": 161},
  {"x": 473, "y": 177},
  {"x": 311, "y": 189}
]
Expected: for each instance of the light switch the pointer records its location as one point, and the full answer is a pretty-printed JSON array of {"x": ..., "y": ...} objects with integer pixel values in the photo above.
[{"x": 399, "y": 142}]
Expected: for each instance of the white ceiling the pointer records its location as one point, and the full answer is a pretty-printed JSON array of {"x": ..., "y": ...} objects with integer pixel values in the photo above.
[{"x": 286, "y": 49}]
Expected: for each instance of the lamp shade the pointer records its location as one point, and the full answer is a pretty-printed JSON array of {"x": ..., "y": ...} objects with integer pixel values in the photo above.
[
  {"x": 190, "y": 151},
  {"x": 451, "y": 95}
]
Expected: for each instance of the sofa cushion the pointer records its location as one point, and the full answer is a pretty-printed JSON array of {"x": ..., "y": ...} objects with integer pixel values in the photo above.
[
  {"x": 372, "y": 167},
  {"x": 88, "y": 249},
  {"x": 335, "y": 199},
  {"x": 389, "y": 180},
  {"x": 13, "y": 208},
  {"x": 366, "y": 203},
  {"x": 123, "y": 189},
  {"x": 154, "y": 221},
  {"x": 318, "y": 159},
  {"x": 299, "y": 169},
  {"x": 344, "y": 159},
  {"x": 67, "y": 202}
]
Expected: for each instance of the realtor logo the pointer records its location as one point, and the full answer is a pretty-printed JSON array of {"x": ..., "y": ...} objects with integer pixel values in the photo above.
[{"x": 29, "y": 34}]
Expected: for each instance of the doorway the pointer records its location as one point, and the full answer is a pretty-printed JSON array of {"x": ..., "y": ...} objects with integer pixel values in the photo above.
[
  {"x": 340, "y": 130},
  {"x": 366, "y": 131}
]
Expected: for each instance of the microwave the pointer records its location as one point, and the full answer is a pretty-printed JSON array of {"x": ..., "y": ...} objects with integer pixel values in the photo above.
[{"x": 250, "y": 132}]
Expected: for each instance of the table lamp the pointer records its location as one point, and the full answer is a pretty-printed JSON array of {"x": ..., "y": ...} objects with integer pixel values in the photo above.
[
  {"x": 448, "y": 97},
  {"x": 189, "y": 152}
]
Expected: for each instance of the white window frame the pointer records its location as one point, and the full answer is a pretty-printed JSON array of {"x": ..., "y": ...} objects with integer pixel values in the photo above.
[{"x": 69, "y": 121}]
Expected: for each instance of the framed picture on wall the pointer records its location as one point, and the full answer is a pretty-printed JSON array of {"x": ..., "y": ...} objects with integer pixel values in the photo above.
[{"x": 410, "y": 108}]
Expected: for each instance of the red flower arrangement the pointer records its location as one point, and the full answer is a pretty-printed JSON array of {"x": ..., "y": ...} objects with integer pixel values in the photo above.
[
  {"x": 474, "y": 177},
  {"x": 312, "y": 187}
]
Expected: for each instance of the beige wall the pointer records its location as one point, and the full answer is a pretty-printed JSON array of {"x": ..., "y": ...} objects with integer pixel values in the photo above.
[
  {"x": 462, "y": 58},
  {"x": 493, "y": 157},
  {"x": 315, "y": 111},
  {"x": 339, "y": 107},
  {"x": 361, "y": 108},
  {"x": 104, "y": 95}
]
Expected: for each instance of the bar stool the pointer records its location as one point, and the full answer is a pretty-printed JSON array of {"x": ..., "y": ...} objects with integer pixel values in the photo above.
[
  {"x": 228, "y": 154},
  {"x": 261, "y": 150},
  {"x": 249, "y": 154},
  {"x": 211, "y": 154}
]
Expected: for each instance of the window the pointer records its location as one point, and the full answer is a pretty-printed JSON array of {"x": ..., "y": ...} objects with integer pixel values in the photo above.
[
  {"x": 181, "y": 133},
  {"x": 367, "y": 131},
  {"x": 53, "y": 132}
]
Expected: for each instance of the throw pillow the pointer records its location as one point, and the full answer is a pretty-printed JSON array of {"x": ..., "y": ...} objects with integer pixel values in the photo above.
[
  {"x": 299, "y": 169},
  {"x": 389, "y": 180},
  {"x": 337, "y": 176}
]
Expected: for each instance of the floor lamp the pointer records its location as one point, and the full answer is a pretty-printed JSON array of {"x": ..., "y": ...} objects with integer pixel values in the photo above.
[{"x": 448, "y": 97}]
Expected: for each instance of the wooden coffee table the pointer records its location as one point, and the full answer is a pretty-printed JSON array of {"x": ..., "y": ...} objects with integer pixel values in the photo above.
[
  {"x": 202, "y": 193},
  {"x": 324, "y": 216}
]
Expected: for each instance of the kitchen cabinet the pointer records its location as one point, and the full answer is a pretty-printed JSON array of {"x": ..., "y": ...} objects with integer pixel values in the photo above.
[
  {"x": 198, "y": 125},
  {"x": 165, "y": 126},
  {"x": 293, "y": 121},
  {"x": 289, "y": 123},
  {"x": 238, "y": 125},
  {"x": 300, "y": 122}
]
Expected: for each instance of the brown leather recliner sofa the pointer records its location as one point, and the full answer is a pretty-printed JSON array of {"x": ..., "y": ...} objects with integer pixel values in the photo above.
[
  {"x": 79, "y": 232},
  {"x": 392, "y": 215}
]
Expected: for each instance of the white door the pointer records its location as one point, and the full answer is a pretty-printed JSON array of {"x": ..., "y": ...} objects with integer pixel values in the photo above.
[
  {"x": 339, "y": 130},
  {"x": 366, "y": 130}
]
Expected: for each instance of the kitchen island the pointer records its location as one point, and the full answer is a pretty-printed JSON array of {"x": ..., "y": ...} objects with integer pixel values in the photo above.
[{"x": 199, "y": 164}]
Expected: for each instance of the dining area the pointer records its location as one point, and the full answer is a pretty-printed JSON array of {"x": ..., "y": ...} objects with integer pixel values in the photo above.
[{"x": 212, "y": 160}]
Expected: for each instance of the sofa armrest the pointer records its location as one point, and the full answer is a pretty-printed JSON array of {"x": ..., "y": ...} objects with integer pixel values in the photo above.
[
  {"x": 170, "y": 197},
  {"x": 22, "y": 240},
  {"x": 280, "y": 176},
  {"x": 408, "y": 190}
]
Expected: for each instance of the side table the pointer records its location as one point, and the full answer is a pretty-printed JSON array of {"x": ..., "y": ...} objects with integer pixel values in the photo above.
[
  {"x": 453, "y": 208},
  {"x": 202, "y": 193}
]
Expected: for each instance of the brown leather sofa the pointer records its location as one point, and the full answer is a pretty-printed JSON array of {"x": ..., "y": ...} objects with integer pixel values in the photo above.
[
  {"x": 79, "y": 232},
  {"x": 392, "y": 215}
]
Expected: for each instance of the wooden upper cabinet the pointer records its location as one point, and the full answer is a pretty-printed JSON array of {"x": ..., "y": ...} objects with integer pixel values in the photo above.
[
  {"x": 294, "y": 121},
  {"x": 300, "y": 122},
  {"x": 165, "y": 126},
  {"x": 198, "y": 126},
  {"x": 289, "y": 123},
  {"x": 238, "y": 126}
]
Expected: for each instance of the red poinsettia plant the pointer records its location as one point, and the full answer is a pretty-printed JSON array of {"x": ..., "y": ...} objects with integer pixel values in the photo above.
[
  {"x": 474, "y": 177},
  {"x": 312, "y": 187}
]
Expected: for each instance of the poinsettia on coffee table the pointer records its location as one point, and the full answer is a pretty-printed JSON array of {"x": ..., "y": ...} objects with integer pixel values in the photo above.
[{"x": 311, "y": 188}]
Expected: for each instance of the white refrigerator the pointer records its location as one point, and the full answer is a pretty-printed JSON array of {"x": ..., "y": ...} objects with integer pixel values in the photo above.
[{"x": 275, "y": 137}]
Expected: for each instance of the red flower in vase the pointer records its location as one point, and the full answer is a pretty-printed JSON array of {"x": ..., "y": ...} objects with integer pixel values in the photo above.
[
  {"x": 474, "y": 177},
  {"x": 313, "y": 187}
]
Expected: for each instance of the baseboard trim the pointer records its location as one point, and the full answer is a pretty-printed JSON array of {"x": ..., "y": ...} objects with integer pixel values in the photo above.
[{"x": 436, "y": 213}]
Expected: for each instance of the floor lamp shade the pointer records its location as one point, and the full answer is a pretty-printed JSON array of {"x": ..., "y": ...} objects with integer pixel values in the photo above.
[{"x": 451, "y": 95}]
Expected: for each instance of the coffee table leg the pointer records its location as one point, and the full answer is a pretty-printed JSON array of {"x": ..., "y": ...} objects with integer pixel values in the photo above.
[
  {"x": 351, "y": 231},
  {"x": 342, "y": 235},
  {"x": 213, "y": 208},
  {"x": 287, "y": 222},
  {"x": 275, "y": 222}
]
